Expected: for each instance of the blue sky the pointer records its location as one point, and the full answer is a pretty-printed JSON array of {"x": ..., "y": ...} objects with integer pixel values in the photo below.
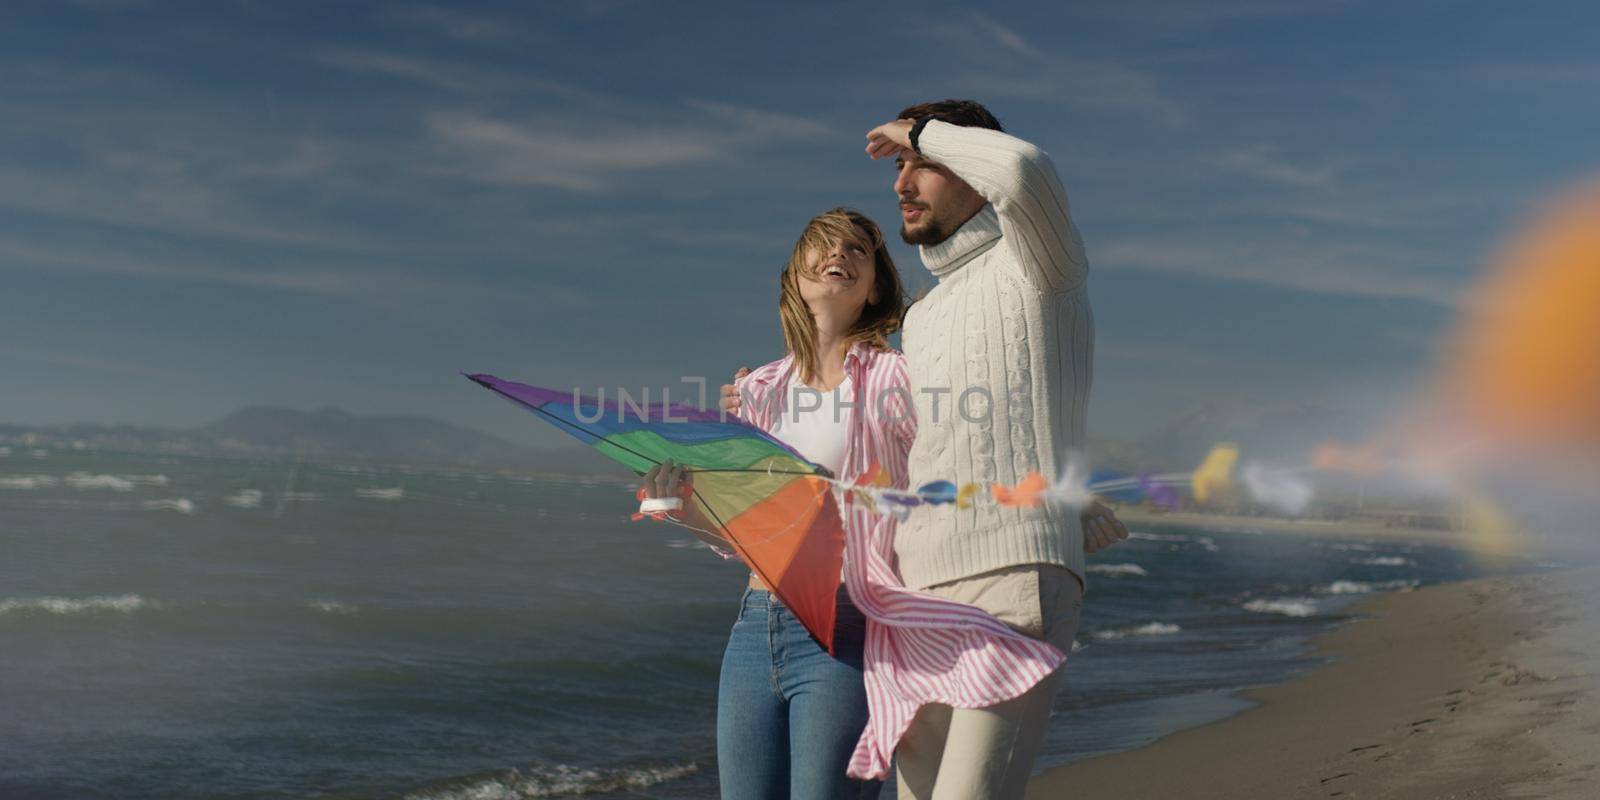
[{"x": 209, "y": 205}]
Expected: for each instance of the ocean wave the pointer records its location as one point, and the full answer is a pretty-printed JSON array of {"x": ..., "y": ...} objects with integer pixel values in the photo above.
[
  {"x": 245, "y": 498},
  {"x": 124, "y": 604},
  {"x": 1386, "y": 561},
  {"x": 27, "y": 482},
  {"x": 1347, "y": 587},
  {"x": 382, "y": 494},
  {"x": 1117, "y": 569},
  {"x": 1209, "y": 544},
  {"x": 1147, "y": 629},
  {"x": 182, "y": 505},
  {"x": 1287, "y": 606},
  {"x": 1349, "y": 546},
  {"x": 1363, "y": 587},
  {"x": 1159, "y": 537},
  {"x": 559, "y": 780},
  {"x": 687, "y": 544},
  {"x": 84, "y": 480},
  {"x": 333, "y": 607}
]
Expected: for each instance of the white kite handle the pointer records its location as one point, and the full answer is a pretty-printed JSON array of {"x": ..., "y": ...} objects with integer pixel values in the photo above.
[{"x": 653, "y": 505}]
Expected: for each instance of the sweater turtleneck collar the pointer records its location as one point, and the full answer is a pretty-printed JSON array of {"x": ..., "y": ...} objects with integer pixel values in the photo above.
[{"x": 969, "y": 241}]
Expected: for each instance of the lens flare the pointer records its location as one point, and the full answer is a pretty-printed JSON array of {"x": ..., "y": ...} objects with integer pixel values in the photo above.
[{"x": 1525, "y": 366}]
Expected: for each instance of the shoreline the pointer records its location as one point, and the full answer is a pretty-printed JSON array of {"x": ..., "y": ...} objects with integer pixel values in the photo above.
[
  {"x": 1479, "y": 688},
  {"x": 1238, "y": 523}
]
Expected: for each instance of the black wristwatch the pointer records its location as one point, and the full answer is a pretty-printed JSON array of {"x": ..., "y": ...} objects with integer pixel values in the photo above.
[{"x": 916, "y": 131}]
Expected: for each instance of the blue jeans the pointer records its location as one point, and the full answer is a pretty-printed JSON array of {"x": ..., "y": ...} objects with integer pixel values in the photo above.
[{"x": 788, "y": 714}]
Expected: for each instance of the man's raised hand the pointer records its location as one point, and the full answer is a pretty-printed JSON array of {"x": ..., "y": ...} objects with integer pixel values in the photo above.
[{"x": 889, "y": 139}]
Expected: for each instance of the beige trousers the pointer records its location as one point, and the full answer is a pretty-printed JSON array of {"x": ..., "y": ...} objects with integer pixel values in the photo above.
[{"x": 987, "y": 753}]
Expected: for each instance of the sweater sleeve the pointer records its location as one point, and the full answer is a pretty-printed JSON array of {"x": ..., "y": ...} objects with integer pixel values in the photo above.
[{"x": 1020, "y": 181}]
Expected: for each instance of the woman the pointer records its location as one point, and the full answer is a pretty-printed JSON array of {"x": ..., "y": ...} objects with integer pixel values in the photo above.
[
  {"x": 788, "y": 714},
  {"x": 790, "y": 718}
]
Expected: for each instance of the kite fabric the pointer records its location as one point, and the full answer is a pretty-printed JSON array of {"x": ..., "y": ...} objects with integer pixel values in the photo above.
[{"x": 775, "y": 509}]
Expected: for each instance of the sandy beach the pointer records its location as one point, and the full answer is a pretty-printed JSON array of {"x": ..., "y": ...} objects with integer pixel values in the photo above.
[{"x": 1478, "y": 689}]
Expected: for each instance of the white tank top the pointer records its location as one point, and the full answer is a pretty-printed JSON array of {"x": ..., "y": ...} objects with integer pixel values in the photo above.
[{"x": 813, "y": 423}]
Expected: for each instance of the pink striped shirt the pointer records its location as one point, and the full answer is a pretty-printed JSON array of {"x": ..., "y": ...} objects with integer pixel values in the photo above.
[{"x": 920, "y": 649}]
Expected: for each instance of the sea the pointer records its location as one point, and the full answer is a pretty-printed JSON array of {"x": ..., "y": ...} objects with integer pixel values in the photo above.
[{"x": 184, "y": 627}]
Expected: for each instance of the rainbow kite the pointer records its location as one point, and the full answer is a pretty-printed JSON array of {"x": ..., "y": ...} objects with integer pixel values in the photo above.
[{"x": 773, "y": 507}]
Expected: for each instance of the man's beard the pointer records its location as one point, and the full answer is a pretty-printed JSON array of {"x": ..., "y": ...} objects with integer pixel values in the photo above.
[{"x": 931, "y": 233}]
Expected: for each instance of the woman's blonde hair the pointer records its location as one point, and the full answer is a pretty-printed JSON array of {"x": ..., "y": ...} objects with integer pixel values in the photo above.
[{"x": 877, "y": 320}]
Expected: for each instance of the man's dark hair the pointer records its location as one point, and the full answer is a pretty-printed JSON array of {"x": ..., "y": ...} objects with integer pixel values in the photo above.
[{"x": 966, "y": 113}]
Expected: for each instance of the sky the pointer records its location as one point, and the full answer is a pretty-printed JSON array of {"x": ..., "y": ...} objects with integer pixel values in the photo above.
[{"x": 205, "y": 206}]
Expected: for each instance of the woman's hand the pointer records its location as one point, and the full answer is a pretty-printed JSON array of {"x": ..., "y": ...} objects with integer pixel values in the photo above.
[
  {"x": 667, "y": 479},
  {"x": 1101, "y": 528},
  {"x": 730, "y": 392}
]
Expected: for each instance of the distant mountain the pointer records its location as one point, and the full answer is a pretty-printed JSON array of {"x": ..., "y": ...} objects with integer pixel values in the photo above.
[
  {"x": 1281, "y": 432},
  {"x": 325, "y": 433},
  {"x": 335, "y": 432}
]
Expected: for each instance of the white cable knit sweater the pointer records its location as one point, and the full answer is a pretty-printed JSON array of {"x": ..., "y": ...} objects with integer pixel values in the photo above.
[{"x": 1009, "y": 315}]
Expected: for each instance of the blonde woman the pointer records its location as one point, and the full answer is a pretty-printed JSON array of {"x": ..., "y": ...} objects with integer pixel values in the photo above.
[{"x": 788, "y": 714}]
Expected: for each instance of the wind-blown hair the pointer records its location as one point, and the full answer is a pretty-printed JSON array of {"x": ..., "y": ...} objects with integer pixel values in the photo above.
[{"x": 878, "y": 320}]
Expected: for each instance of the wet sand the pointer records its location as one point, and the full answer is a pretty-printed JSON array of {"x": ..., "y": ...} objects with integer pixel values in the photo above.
[{"x": 1479, "y": 689}]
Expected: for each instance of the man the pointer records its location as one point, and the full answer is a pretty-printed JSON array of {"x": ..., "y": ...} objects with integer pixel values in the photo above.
[
  {"x": 999, "y": 355},
  {"x": 1008, "y": 328}
]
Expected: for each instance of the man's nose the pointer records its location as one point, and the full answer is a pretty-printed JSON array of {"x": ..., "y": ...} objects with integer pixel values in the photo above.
[{"x": 903, "y": 187}]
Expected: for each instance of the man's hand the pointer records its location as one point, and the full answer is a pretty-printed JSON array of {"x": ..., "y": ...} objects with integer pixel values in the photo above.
[
  {"x": 1101, "y": 528},
  {"x": 890, "y": 139},
  {"x": 730, "y": 392}
]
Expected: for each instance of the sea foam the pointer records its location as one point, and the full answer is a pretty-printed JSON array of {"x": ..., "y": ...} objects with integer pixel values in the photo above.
[
  {"x": 1147, "y": 629},
  {"x": 1117, "y": 570},
  {"x": 27, "y": 482},
  {"x": 559, "y": 780},
  {"x": 84, "y": 480},
  {"x": 1386, "y": 561},
  {"x": 244, "y": 498},
  {"x": 182, "y": 505},
  {"x": 1287, "y": 606},
  {"x": 1363, "y": 587},
  {"x": 1158, "y": 537},
  {"x": 124, "y": 604}
]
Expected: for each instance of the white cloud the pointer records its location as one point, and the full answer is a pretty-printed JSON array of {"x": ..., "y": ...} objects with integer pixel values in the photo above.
[
  {"x": 1184, "y": 18},
  {"x": 365, "y": 282},
  {"x": 1349, "y": 270},
  {"x": 589, "y": 153},
  {"x": 454, "y": 23},
  {"x": 1000, "y": 62},
  {"x": 448, "y": 75},
  {"x": 1264, "y": 163}
]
